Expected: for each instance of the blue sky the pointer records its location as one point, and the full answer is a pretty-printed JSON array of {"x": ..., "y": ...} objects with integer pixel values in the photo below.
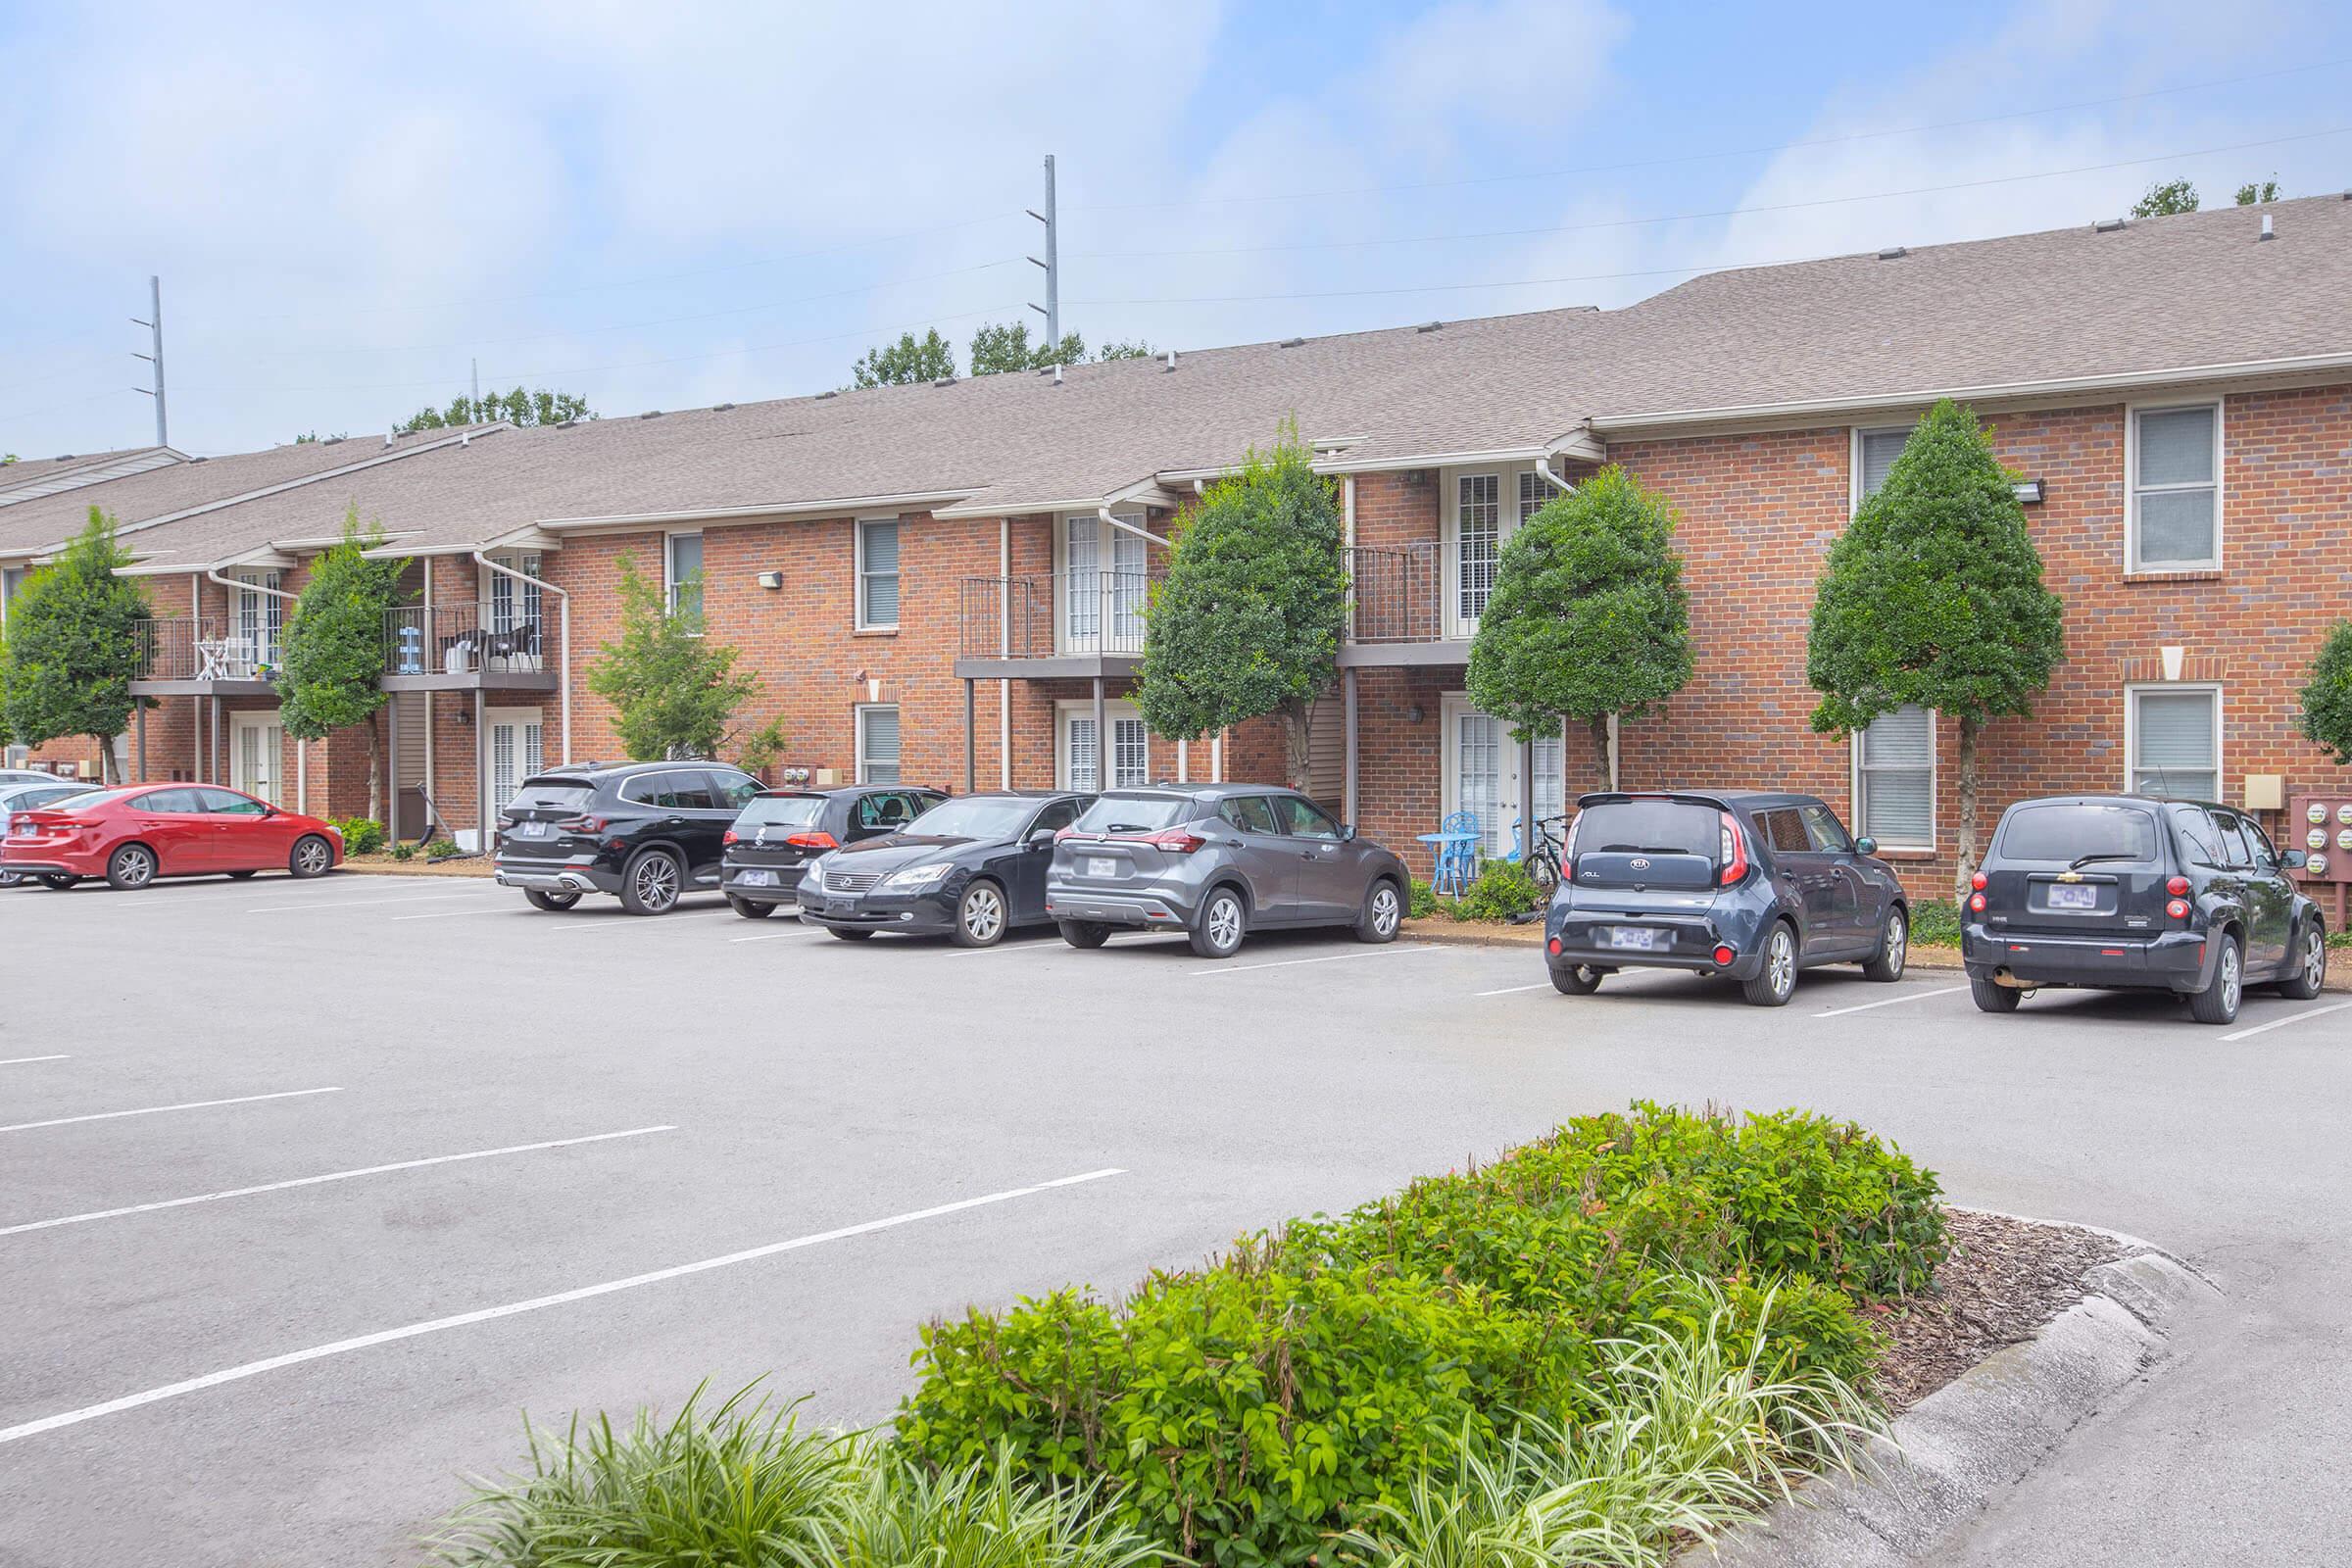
[{"x": 674, "y": 206}]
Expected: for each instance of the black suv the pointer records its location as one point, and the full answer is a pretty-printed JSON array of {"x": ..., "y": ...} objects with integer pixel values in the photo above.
[
  {"x": 1747, "y": 884},
  {"x": 779, "y": 833},
  {"x": 2123, "y": 891},
  {"x": 650, "y": 832}
]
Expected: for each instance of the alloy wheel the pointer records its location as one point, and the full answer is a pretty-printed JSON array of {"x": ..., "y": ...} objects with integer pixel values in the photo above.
[
  {"x": 134, "y": 867},
  {"x": 656, "y": 882},
  {"x": 1779, "y": 961},
  {"x": 1384, "y": 910},
  {"x": 310, "y": 858},
  {"x": 2314, "y": 958},
  {"x": 2230, "y": 978},
  {"x": 983, "y": 915},
  {"x": 1225, "y": 922},
  {"x": 1898, "y": 942}
]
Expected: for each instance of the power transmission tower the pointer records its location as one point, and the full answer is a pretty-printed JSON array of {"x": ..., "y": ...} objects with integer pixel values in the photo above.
[
  {"x": 1052, "y": 309},
  {"x": 155, "y": 310}
]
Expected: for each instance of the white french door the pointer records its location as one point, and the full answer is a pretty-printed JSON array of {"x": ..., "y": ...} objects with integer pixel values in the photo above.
[
  {"x": 256, "y": 748},
  {"x": 1082, "y": 755},
  {"x": 261, "y": 623},
  {"x": 1482, "y": 510},
  {"x": 1482, "y": 766},
  {"x": 516, "y": 749},
  {"x": 513, "y": 614},
  {"x": 1101, "y": 586}
]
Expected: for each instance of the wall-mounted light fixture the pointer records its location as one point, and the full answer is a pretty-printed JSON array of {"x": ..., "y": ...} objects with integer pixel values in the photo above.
[
  {"x": 771, "y": 580},
  {"x": 2030, "y": 492}
]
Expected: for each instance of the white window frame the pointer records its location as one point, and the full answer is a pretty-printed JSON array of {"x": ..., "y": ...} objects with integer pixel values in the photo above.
[
  {"x": 859, "y": 574},
  {"x": 256, "y": 598},
  {"x": 669, "y": 577},
  {"x": 1113, "y": 714},
  {"x": 858, "y": 722},
  {"x": 2176, "y": 688},
  {"x": 1853, "y": 488},
  {"x": 1855, "y": 814},
  {"x": 2132, "y": 491},
  {"x": 1109, "y": 542},
  {"x": 523, "y": 720},
  {"x": 1509, "y": 519}
]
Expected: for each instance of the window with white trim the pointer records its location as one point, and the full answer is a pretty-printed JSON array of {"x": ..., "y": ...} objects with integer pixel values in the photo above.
[
  {"x": 682, "y": 574},
  {"x": 2174, "y": 740},
  {"x": 878, "y": 574},
  {"x": 1081, "y": 755},
  {"x": 12, "y": 578},
  {"x": 1103, "y": 585},
  {"x": 1875, "y": 452},
  {"x": 260, "y": 619},
  {"x": 2176, "y": 495},
  {"x": 1477, "y": 542},
  {"x": 878, "y": 744},
  {"x": 1894, "y": 779},
  {"x": 1534, "y": 491}
]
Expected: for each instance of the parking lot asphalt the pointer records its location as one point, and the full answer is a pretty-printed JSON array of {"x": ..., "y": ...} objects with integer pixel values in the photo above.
[{"x": 308, "y": 1190}]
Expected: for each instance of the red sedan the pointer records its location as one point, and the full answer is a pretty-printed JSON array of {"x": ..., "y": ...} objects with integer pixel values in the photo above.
[{"x": 132, "y": 835}]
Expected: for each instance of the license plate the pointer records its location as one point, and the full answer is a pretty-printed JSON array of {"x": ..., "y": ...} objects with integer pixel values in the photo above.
[
  {"x": 841, "y": 906},
  {"x": 534, "y": 830},
  {"x": 2063, "y": 897},
  {"x": 756, "y": 879},
  {"x": 1098, "y": 867},
  {"x": 1639, "y": 938}
]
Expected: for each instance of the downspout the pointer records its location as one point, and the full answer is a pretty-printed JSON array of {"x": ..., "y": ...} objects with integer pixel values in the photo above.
[
  {"x": 1145, "y": 534},
  {"x": 563, "y": 644},
  {"x": 301, "y": 758},
  {"x": 1543, "y": 467},
  {"x": 1005, "y": 649}
]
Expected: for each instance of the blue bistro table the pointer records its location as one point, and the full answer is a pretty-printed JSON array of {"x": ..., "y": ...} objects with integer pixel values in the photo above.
[{"x": 1455, "y": 843}]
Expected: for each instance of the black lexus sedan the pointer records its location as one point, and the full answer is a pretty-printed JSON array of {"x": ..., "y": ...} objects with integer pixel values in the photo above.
[
  {"x": 779, "y": 833},
  {"x": 972, "y": 867}
]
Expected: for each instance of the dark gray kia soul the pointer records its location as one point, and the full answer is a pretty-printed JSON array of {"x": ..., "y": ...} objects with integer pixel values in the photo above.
[{"x": 1746, "y": 884}]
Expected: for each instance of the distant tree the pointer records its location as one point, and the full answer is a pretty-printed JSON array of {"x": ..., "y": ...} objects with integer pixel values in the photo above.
[
  {"x": 1247, "y": 620},
  {"x": 1933, "y": 596},
  {"x": 2256, "y": 192},
  {"x": 7, "y": 458},
  {"x": 2326, "y": 717},
  {"x": 311, "y": 438},
  {"x": 672, "y": 689},
  {"x": 1588, "y": 618},
  {"x": 74, "y": 647},
  {"x": 518, "y": 407},
  {"x": 1002, "y": 346},
  {"x": 907, "y": 361},
  {"x": 1138, "y": 348},
  {"x": 2164, "y": 199},
  {"x": 331, "y": 672}
]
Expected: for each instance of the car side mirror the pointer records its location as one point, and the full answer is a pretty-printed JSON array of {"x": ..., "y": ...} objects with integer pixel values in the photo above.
[
  {"x": 2294, "y": 859},
  {"x": 1866, "y": 846},
  {"x": 1042, "y": 839}
]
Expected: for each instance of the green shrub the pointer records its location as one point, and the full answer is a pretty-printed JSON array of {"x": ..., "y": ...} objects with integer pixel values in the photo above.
[
  {"x": 442, "y": 850},
  {"x": 1424, "y": 901},
  {"x": 402, "y": 852},
  {"x": 1935, "y": 921},
  {"x": 1503, "y": 889},
  {"x": 361, "y": 835}
]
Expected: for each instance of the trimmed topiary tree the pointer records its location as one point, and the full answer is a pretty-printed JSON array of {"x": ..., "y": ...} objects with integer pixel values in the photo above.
[
  {"x": 1933, "y": 596},
  {"x": 1588, "y": 618},
  {"x": 2327, "y": 716},
  {"x": 74, "y": 647},
  {"x": 331, "y": 673},
  {"x": 1248, "y": 620}
]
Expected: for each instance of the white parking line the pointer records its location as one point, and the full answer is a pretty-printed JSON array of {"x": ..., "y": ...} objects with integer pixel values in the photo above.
[
  {"x": 1336, "y": 957},
  {"x": 628, "y": 922},
  {"x": 774, "y": 936},
  {"x": 2292, "y": 1018},
  {"x": 157, "y": 1111},
  {"x": 362, "y": 904},
  {"x": 19, "y": 1061},
  {"x": 1865, "y": 1007},
  {"x": 1512, "y": 990},
  {"x": 250, "y": 1369},
  {"x": 332, "y": 1176}
]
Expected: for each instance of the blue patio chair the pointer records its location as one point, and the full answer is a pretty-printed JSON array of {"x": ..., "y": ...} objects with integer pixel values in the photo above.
[{"x": 1455, "y": 845}]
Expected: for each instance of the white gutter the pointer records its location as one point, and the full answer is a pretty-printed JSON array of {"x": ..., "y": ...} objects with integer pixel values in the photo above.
[
  {"x": 563, "y": 640},
  {"x": 834, "y": 505},
  {"x": 1124, "y": 526},
  {"x": 212, "y": 574}
]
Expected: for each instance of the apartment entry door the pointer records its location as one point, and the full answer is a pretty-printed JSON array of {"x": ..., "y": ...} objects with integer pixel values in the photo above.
[
  {"x": 257, "y": 746},
  {"x": 517, "y": 738},
  {"x": 1483, "y": 766}
]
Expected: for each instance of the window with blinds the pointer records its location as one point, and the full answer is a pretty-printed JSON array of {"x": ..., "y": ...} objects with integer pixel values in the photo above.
[
  {"x": 1875, "y": 452},
  {"x": 682, "y": 574},
  {"x": 878, "y": 745},
  {"x": 2176, "y": 493},
  {"x": 1477, "y": 539},
  {"x": 1894, "y": 779},
  {"x": 2176, "y": 742},
  {"x": 878, "y": 574}
]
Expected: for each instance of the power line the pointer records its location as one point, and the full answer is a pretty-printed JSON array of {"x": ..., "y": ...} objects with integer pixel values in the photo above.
[{"x": 1702, "y": 157}]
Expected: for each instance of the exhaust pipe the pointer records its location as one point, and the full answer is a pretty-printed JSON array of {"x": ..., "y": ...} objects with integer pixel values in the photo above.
[{"x": 2002, "y": 977}]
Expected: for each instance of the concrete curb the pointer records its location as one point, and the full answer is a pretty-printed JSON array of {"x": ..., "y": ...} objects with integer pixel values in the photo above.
[{"x": 1950, "y": 1457}]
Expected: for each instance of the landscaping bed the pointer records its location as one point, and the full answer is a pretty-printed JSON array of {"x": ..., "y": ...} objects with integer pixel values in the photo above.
[{"x": 382, "y": 865}]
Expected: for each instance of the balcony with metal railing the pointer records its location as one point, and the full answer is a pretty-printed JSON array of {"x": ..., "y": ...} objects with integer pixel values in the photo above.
[
  {"x": 224, "y": 656},
  {"x": 1398, "y": 614},
  {"x": 1079, "y": 622},
  {"x": 446, "y": 647}
]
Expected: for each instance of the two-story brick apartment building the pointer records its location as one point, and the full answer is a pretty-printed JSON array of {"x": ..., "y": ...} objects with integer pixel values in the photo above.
[{"x": 945, "y": 582}]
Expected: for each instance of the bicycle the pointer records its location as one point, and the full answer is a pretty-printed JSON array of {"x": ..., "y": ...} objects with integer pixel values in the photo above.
[{"x": 1543, "y": 858}]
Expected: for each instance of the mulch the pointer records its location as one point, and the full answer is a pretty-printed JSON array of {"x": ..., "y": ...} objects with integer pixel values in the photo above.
[{"x": 2004, "y": 1280}]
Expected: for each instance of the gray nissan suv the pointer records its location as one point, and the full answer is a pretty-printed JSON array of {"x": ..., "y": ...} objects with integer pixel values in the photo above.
[{"x": 1215, "y": 862}]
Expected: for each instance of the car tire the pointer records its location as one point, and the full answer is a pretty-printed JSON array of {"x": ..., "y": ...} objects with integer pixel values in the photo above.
[
  {"x": 652, "y": 883},
  {"x": 981, "y": 915},
  {"x": 57, "y": 881},
  {"x": 1383, "y": 908},
  {"x": 130, "y": 867},
  {"x": 2311, "y": 964},
  {"x": 1576, "y": 980},
  {"x": 312, "y": 857},
  {"x": 851, "y": 933},
  {"x": 749, "y": 910},
  {"x": 1894, "y": 948},
  {"x": 1991, "y": 995},
  {"x": 2218, "y": 1001},
  {"x": 1223, "y": 921},
  {"x": 1085, "y": 933},
  {"x": 553, "y": 902},
  {"x": 1775, "y": 980}
]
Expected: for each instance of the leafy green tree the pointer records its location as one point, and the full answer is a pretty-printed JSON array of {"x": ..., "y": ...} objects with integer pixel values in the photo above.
[
  {"x": 2255, "y": 192},
  {"x": 907, "y": 361},
  {"x": 74, "y": 646},
  {"x": 1933, "y": 596},
  {"x": 1136, "y": 349},
  {"x": 331, "y": 672},
  {"x": 2327, "y": 716},
  {"x": 1247, "y": 620},
  {"x": 1002, "y": 346},
  {"x": 673, "y": 690},
  {"x": 2166, "y": 198},
  {"x": 518, "y": 407},
  {"x": 1589, "y": 618}
]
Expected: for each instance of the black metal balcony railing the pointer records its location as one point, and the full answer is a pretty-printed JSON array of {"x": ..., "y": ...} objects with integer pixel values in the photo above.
[
  {"x": 1397, "y": 593},
  {"x": 459, "y": 639},
  {"x": 1047, "y": 613},
  {"x": 206, "y": 648}
]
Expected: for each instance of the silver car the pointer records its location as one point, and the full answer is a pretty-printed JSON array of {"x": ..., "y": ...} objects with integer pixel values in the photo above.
[{"x": 1216, "y": 862}]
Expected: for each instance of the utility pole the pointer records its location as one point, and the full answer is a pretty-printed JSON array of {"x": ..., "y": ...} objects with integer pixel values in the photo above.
[
  {"x": 155, "y": 310},
  {"x": 1052, "y": 309},
  {"x": 477, "y": 389}
]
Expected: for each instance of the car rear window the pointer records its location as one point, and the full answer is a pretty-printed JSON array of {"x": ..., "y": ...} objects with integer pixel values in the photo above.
[
  {"x": 557, "y": 794},
  {"x": 784, "y": 811},
  {"x": 1134, "y": 813},
  {"x": 85, "y": 800},
  {"x": 2068, "y": 833},
  {"x": 1651, "y": 827}
]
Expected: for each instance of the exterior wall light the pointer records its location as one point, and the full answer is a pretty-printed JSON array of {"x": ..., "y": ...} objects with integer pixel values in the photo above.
[
  {"x": 2030, "y": 492},
  {"x": 771, "y": 580}
]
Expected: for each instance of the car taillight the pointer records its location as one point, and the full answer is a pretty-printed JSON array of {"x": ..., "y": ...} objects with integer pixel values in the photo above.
[
  {"x": 729, "y": 837},
  {"x": 1734, "y": 851},
  {"x": 1175, "y": 840},
  {"x": 818, "y": 840},
  {"x": 1976, "y": 904},
  {"x": 1976, "y": 881},
  {"x": 1723, "y": 957},
  {"x": 583, "y": 824},
  {"x": 1062, "y": 833},
  {"x": 2178, "y": 909},
  {"x": 2178, "y": 887}
]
